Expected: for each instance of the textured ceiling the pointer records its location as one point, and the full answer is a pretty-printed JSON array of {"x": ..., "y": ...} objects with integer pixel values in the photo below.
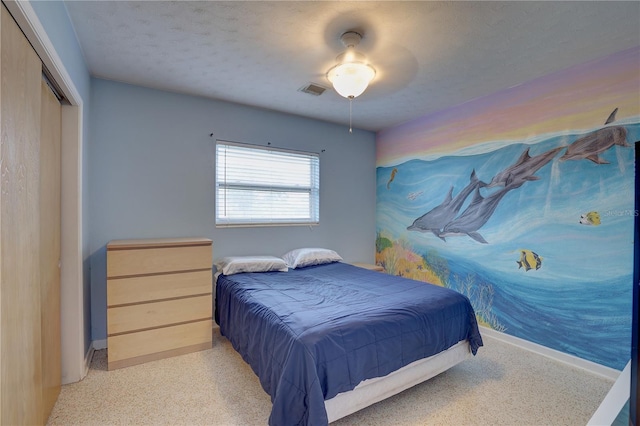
[{"x": 429, "y": 55}]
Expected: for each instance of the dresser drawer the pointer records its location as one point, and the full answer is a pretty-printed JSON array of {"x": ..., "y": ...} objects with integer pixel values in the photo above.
[
  {"x": 121, "y": 291},
  {"x": 136, "y": 348},
  {"x": 124, "y": 319},
  {"x": 145, "y": 261}
]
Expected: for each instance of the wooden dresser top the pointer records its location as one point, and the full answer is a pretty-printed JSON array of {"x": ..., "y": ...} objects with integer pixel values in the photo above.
[{"x": 157, "y": 242}]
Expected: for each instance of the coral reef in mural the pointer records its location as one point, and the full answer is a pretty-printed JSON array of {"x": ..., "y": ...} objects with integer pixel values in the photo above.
[{"x": 398, "y": 259}]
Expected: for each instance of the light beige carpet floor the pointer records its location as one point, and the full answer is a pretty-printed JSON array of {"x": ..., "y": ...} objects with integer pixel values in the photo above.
[{"x": 502, "y": 385}]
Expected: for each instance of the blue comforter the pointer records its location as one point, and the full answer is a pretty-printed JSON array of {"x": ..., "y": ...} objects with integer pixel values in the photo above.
[{"x": 314, "y": 332}]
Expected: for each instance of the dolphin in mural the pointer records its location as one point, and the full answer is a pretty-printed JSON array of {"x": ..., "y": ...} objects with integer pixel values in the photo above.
[
  {"x": 596, "y": 142},
  {"x": 439, "y": 216},
  {"x": 474, "y": 216},
  {"x": 523, "y": 169}
]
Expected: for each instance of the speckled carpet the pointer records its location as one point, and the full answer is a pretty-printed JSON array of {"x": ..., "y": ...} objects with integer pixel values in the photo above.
[{"x": 502, "y": 385}]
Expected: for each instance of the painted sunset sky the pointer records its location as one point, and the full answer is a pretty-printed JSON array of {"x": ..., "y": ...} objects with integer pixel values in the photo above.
[{"x": 577, "y": 98}]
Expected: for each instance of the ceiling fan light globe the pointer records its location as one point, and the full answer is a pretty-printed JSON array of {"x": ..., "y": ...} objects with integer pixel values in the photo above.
[{"x": 351, "y": 79}]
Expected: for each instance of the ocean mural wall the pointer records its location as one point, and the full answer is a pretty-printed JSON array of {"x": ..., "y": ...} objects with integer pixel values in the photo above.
[{"x": 524, "y": 201}]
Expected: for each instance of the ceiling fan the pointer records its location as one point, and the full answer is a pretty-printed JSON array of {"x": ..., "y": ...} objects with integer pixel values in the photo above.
[{"x": 352, "y": 74}]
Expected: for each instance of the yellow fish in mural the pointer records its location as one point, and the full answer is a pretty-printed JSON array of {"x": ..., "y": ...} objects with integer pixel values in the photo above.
[
  {"x": 591, "y": 218},
  {"x": 529, "y": 260},
  {"x": 393, "y": 176}
]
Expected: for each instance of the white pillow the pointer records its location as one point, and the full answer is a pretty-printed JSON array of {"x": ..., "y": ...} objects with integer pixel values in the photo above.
[
  {"x": 302, "y": 257},
  {"x": 236, "y": 264}
]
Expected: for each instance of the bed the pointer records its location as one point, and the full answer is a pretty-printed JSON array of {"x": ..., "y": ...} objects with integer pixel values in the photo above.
[{"x": 327, "y": 340}]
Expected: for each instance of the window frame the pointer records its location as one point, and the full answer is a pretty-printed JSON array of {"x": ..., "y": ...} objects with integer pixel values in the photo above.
[{"x": 313, "y": 189}]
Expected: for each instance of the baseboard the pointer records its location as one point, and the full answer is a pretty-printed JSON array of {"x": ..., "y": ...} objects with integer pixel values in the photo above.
[
  {"x": 615, "y": 400},
  {"x": 87, "y": 360},
  {"x": 571, "y": 360},
  {"x": 99, "y": 344}
]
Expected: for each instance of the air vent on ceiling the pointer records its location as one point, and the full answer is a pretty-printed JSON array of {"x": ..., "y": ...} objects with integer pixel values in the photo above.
[{"x": 313, "y": 89}]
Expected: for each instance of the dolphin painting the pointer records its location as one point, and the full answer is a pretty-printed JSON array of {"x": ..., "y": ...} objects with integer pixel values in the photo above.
[
  {"x": 523, "y": 169},
  {"x": 436, "y": 218},
  {"x": 596, "y": 142},
  {"x": 474, "y": 216}
]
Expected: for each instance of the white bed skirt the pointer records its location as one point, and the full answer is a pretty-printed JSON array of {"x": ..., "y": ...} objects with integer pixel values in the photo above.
[{"x": 370, "y": 391}]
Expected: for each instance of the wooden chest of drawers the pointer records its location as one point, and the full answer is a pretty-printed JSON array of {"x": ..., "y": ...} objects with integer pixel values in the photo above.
[{"x": 159, "y": 299}]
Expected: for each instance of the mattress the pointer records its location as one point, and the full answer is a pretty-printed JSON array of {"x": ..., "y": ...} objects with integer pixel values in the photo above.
[{"x": 312, "y": 333}]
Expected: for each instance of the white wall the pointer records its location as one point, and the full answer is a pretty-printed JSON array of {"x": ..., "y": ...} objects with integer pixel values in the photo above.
[{"x": 151, "y": 174}]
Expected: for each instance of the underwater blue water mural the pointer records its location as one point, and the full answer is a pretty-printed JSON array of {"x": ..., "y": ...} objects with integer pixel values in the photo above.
[{"x": 538, "y": 233}]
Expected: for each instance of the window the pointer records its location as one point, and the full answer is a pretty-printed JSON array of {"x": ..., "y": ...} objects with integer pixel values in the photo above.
[{"x": 258, "y": 185}]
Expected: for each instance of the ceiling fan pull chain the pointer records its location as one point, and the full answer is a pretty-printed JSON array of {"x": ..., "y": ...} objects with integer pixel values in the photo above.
[{"x": 350, "y": 102}]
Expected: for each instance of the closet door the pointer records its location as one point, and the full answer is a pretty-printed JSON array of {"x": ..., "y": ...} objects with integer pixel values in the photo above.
[
  {"x": 20, "y": 326},
  {"x": 50, "y": 247}
]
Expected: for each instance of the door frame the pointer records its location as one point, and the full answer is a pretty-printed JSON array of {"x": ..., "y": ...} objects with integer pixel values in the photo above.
[{"x": 75, "y": 359}]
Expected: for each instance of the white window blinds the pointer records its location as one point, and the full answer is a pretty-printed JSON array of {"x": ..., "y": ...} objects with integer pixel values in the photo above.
[{"x": 258, "y": 185}]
